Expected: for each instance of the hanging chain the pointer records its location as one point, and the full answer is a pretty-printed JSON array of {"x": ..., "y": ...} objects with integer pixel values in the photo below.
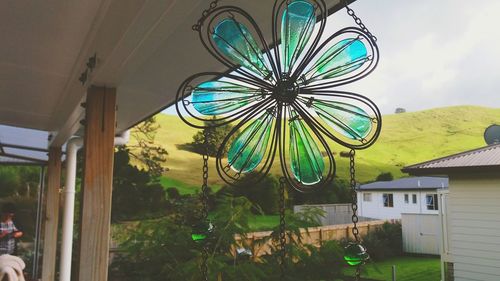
[
  {"x": 204, "y": 14},
  {"x": 358, "y": 21},
  {"x": 354, "y": 205},
  {"x": 204, "y": 202},
  {"x": 282, "y": 234}
]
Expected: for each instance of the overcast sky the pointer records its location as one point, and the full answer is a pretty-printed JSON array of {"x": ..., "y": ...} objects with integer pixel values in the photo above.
[{"x": 433, "y": 53}]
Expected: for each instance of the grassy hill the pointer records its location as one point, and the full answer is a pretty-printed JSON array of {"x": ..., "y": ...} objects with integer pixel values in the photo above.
[{"x": 405, "y": 139}]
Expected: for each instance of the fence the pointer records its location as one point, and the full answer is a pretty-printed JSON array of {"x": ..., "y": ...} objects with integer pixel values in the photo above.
[
  {"x": 313, "y": 236},
  {"x": 334, "y": 213}
]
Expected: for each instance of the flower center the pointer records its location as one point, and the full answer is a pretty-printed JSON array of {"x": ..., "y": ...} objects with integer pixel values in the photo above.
[{"x": 286, "y": 91}]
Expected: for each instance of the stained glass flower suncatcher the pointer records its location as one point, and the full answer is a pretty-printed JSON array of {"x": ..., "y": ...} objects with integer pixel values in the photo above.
[{"x": 285, "y": 100}]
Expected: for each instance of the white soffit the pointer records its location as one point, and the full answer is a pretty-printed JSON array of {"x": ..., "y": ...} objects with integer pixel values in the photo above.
[{"x": 144, "y": 48}]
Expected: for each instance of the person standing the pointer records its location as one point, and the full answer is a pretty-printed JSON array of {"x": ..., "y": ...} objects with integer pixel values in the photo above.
[{"x": 8, "y": 231}]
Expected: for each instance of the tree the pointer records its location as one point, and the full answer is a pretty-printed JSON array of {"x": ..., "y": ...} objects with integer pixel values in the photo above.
[
  {"x": 216, "y": 136},
  {"x": 264, "y": 193},
  {"x": 9, "y": 181},
  {"x": 400, "y": 110},
  {"x": 338, "y": 191},
  {"x": 135, "y": 193},
  {"x": 146, "y": 151},
  {"x": 385, "y": 177}
]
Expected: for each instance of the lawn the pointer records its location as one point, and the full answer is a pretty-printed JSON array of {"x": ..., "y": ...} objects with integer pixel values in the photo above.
[
  {"x": 407, "y": 269},
  {"x": 264, "y": 222},
  {"x": 183, "y": 187}
]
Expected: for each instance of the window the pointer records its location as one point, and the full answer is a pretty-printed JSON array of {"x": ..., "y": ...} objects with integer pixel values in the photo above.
[
  {"x": 414, "y": 198},
  {"x": 367, "y": 197},
  {"x": 388, "y": 200},
  {"x": 407, "y": 198},
  {"x": 432, "y": 201}
]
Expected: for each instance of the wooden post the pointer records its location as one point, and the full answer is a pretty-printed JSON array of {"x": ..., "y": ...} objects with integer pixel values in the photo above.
[
  {"x": 51, "y": 218},
  {"x": 97, "y": 184}
]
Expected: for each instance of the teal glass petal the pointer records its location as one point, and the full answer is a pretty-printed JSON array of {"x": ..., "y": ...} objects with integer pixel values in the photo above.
[
  {"x": 340, "y": 59},
  {"x": 249, "y": 147},
  {"x": 306, "y": 160},
  {"x": 219, "y": 97},
  {"x": 297, "y": 25},
  {"x": 234, "y": 40},
  {"x": 349, "y": 120}
]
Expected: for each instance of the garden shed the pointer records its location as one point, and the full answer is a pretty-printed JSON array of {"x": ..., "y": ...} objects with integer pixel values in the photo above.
[{"x": 471, "y": 222}]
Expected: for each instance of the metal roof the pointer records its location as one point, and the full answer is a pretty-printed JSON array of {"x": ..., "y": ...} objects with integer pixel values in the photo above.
[
  {"x": 482, "y": 159},
  {"x": 19, "y": 146},
  {"x": 413, "y": 183}
]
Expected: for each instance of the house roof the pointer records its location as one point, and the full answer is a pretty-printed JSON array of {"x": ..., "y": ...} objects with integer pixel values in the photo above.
[
  {"x": 482, "y": 159},
  {"x": 413, "y": 183}
]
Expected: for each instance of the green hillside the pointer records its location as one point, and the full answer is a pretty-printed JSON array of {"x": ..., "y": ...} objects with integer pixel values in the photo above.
[{"x": 406, "y": 138}]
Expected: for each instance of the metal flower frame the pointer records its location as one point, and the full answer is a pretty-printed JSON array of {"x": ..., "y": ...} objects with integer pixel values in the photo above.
[{"x": 279, "y": 96}]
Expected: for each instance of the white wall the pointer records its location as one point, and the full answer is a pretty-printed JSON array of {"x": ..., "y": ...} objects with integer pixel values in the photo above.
[
  {"x": 421, "y": 233},
  {"x": 375, "y": 208},
  {"x": 474, "y": 227}
]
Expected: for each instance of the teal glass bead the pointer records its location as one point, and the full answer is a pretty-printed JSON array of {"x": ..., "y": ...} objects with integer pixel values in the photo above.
[
  {"x": 355, "y": 254},
  {"x": 201, "y": 231}
]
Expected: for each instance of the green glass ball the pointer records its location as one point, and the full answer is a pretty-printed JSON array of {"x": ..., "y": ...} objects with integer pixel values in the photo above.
[
  {"x": 355, "y": 254},
  {"x": 201, "y": 231}
]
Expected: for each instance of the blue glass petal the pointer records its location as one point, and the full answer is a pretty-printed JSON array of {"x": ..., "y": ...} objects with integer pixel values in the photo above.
[
  {"x": 306, "y": 159},
  {"x": 297, "y": 25},
  {"x": 235, "y": 41},
  {"x": 249, "y": 147},
  {"x": 342, "y": 58},
  {"x": 219, "y": 97},
  {"x": 349, "y": 120}
]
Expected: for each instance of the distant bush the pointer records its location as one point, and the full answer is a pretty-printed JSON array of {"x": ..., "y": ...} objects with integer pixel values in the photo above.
[
  {"x": 385, "y": 177},
  {"x": 263, "y": 193},
  {"x": 385, "y": 241}
]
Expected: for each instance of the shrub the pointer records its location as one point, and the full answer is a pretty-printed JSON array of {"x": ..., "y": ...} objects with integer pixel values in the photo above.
[
  {"x": 385, "y": 241},
  {"x": 162, "y": 249},
  {"x": 264, "y": 194}
]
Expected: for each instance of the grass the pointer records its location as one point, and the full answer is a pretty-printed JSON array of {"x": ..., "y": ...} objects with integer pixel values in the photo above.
[
  {"x": 405, "y": 139},
  {"x": 407, "y": 269},
  {"x": 263, "y": 222}
]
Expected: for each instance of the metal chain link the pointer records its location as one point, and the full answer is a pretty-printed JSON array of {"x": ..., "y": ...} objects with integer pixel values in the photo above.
[
  {"x": 354, "y": 205},
  {"x": 358, "y": 21},
  {"x": 282, "y": 234},
  {"x": 204, "y": 14},
  {"x": 204, "y": 202}
]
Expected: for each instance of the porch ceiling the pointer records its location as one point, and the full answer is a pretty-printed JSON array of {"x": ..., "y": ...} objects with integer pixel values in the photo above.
[{"x": 145, "y": 49}]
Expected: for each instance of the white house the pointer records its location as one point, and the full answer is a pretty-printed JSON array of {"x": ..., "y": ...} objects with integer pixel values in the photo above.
[
  {"x": 470, "y": 221},
  {"x": 389, "y": 199}
]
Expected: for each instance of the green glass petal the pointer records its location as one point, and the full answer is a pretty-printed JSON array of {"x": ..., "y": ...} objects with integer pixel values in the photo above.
[
  {"x": 349, "y": 120},
  {"x": 306, "y": 160},
  {"x": 342, "y": 58},
  {"x": 249, "y": 147},
  {"x": 219, "y": 97},
  {"x": 234, "y": 40},
  {"x": 297, "y": 25},
  {"x": 355, "y": 254}
]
